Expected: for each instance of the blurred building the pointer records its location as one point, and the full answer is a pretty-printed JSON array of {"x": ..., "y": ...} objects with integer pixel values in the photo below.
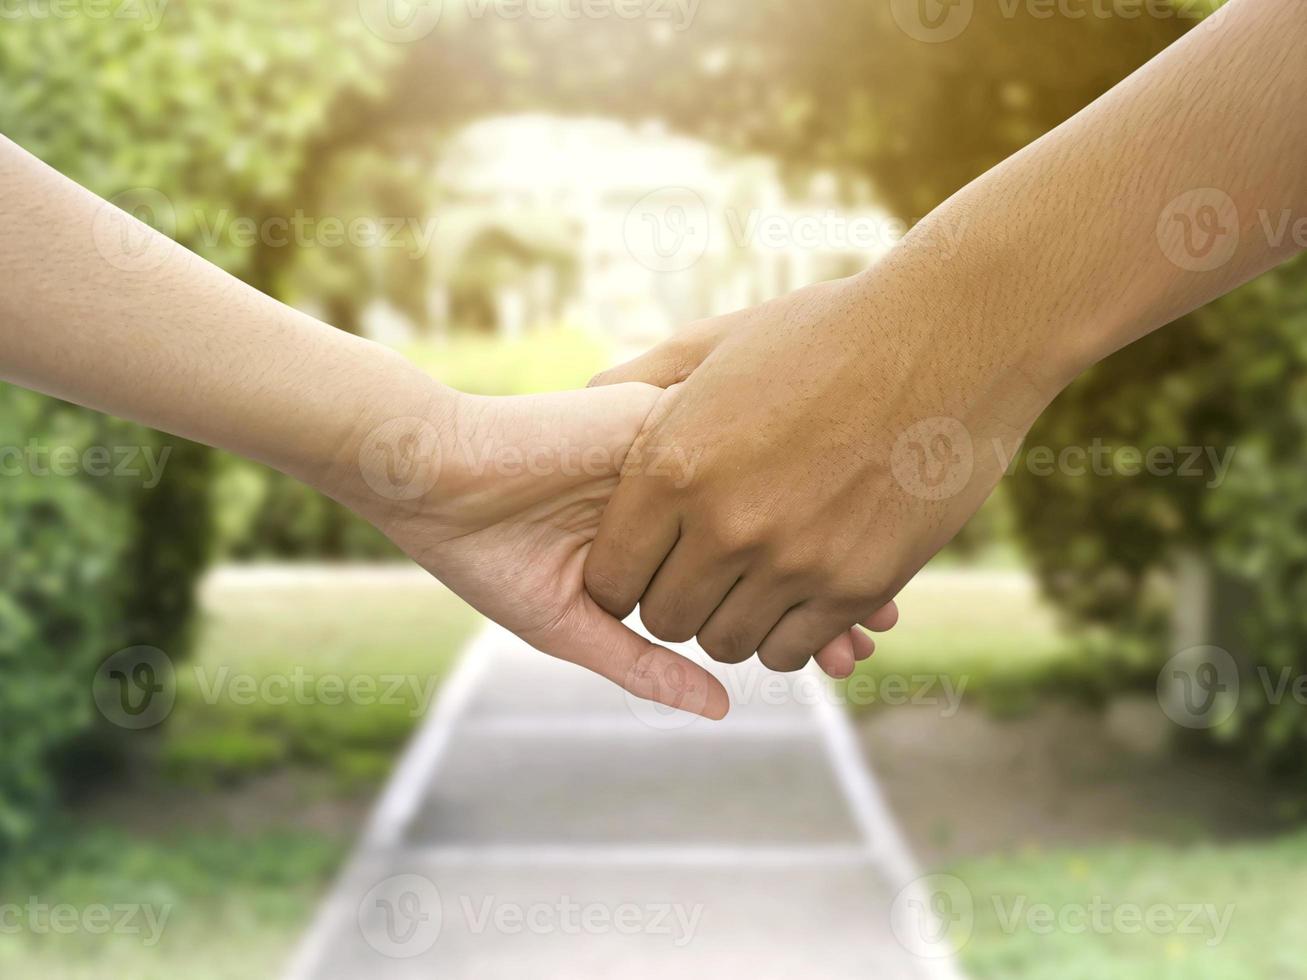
[{"x": 628, "y": 231}]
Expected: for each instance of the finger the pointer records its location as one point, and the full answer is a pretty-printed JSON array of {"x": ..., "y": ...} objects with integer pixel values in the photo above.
[
  {"x": 591, "y": 638},
  {"x": 801, "y": 632},
  {"x": 883, "y": 619},
  {"x": 662, "y": 366},
  {"x": 863, "y": 645},
  {"x": 635, "y": 536},
  {"x": 687, "y": 588},
  {"x": 837, "y": 658},
  {"x": 674, "y": 359},
  {"x": 738, "y": 626}
]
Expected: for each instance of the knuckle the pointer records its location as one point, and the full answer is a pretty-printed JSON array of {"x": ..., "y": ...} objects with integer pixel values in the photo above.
[
  {"x": 797, "y": 565},
  {"x": 870, "y": 585},
  {"x": 727, "y": 645},
  {"x": 608, "y": 590},
  {"x": 846, "y": 597},
  {"x": 665, "y": 620},
  {"x": 784, "y": 660},
  {"x": 682, "y": 360},
  {"x": 735, "y": 536}
]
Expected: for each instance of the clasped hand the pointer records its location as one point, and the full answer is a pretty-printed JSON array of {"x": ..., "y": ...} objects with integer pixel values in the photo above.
[{"x": 501, "y": 499}]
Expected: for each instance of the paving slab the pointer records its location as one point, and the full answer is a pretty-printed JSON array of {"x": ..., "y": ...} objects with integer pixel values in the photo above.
[{"x": 637, "y": 790}]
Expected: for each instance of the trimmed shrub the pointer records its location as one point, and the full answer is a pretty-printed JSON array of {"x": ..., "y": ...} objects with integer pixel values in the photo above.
[
  {"x": 92, "y": 562},
  {"x": 1231, "y": 381}
]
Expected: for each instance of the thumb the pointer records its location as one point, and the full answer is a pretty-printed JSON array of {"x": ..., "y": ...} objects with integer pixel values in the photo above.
[
  {"x": 591, "y": 638},
  {"x": 675, "y": 359},
  {"x": 661, "y": 366}
]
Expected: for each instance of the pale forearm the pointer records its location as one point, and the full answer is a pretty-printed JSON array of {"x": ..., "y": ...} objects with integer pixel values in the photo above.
[
  {"x": 98, "y": 309},
  {"x": 1075, "y": 246},
  {"x": 487, "y": 498}
]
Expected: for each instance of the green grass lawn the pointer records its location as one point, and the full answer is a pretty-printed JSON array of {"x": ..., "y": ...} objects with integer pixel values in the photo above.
[
  {"x": 986, "y": 630},
  {"x": 237, "y": 899},
  {"x": 200, "y": 906},
  {"x": 989, "y": 631},
  {"x": 1258, "y": 890},
  {"x": 329, "y": 677}
]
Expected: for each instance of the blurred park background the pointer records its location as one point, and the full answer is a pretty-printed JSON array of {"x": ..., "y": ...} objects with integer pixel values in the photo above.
[{"x": 515, "y": 197}]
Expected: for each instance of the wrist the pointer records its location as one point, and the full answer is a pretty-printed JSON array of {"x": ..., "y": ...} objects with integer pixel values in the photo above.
[
  {"x": 998, "y": 306},
  {"x": 387, "y": 438}
]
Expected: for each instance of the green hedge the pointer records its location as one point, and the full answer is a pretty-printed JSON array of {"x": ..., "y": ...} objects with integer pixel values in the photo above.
[
  {"x": 1107, "y": 548},
  {"x": 91, "y": 564},
  {"x": 225, "y": 109}
]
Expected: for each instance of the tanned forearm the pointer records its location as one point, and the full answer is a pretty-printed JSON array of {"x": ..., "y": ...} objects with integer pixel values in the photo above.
[
  {"x": 818, "y": 494},
  {"x": 1167, "y": 192}
]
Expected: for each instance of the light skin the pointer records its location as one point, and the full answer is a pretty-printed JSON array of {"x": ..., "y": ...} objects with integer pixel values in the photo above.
[
  {"x": 499, "y": 498},
  {"x": 822, "y": 488}
]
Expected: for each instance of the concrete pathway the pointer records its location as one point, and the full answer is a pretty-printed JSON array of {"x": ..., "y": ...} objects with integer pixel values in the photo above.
[{"x": 543, "y": 825}]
